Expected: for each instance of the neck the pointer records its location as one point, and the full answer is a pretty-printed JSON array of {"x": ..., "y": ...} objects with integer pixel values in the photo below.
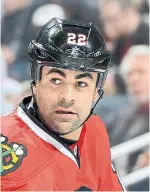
[{"x": 73, "y": 135}]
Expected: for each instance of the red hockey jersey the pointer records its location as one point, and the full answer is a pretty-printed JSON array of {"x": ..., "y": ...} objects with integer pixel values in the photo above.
[{"x": 33, "y": 160}]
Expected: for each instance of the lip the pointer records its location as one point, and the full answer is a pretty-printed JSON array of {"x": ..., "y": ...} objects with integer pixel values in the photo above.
[
  {"x": 69, "y": 111},
  {"x": 64, "y": 117}
]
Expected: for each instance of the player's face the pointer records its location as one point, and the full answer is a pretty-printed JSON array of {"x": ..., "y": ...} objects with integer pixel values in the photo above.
[{"x": 64, "y": 98}]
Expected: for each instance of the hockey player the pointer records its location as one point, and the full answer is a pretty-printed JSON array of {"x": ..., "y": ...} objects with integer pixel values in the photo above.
[{"x": 53, "y": 141}]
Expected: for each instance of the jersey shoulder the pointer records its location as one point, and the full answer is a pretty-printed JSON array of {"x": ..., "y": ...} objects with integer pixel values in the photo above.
[
  {"x": 97, "y": 131},
  {"x": 24, "y": 154},
  {"x": 11, "y": 124},
  {"x": 96, "y": 123}
]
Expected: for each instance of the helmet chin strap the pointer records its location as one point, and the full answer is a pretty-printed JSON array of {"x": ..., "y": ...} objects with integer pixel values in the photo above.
[{"x": 100, "y": 92}]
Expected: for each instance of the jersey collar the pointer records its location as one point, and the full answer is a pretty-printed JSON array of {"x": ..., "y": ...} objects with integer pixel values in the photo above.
[{"x": 28, "y": 116}]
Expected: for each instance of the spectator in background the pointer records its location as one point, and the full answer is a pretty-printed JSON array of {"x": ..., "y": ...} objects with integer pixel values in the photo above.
[
  {"x": 85, "y": 10},
  {"x": 19, "y": 27},
  {"x": 76, "y": 10},
  {"x": 25, "y": 90},
  {"x": 132, "y": 120},
  {"x": 123, "y": 26},
  {"x": 14, "y": 26},
  {"x": 17, "y": 32},
  {"x": 10, "y": 91},
  {"x": 50, "y": 10},
  {"x": 115, "y": 95}
]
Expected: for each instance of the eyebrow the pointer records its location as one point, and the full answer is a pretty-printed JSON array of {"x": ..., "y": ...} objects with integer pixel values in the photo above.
[
  {"x": 60, "y": 72},
  {"x": 83, "y": 75},
  {"x": 54, "y": 70}
]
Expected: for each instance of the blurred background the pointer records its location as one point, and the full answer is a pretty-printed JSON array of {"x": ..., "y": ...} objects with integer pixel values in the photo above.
[{"x": 125, "y": 106}]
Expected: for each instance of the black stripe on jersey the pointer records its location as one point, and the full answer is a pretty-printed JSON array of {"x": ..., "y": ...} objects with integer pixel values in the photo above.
[{"x": 114, "y": 170}]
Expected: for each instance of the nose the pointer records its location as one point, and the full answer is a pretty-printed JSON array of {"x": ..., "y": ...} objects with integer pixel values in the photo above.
[{"x": 68, "y": 94}]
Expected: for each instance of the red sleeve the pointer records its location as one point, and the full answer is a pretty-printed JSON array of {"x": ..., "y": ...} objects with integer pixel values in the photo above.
[{"x": 110, "y": 180}]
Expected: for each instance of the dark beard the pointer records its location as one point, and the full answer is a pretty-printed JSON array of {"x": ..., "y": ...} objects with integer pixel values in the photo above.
[{"x": 52, "y": 126}]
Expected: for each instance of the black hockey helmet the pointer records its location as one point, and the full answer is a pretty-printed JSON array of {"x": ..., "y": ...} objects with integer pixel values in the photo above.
[{"x": 69, "y": 44}]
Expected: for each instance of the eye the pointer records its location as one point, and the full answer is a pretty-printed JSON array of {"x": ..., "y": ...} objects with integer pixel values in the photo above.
[
  {"x": 81, "y": 84},
  {"x": 56, "y": 81}
]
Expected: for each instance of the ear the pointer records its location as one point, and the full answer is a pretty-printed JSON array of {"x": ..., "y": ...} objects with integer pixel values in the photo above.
[{"x": 96, "y": 96}]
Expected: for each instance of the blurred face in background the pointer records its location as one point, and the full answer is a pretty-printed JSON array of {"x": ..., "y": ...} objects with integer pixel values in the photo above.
[
  {"x": 137, "y": 78},
  {"x": 114, "y": 19},
  {"x": 11, "y": 6}
]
